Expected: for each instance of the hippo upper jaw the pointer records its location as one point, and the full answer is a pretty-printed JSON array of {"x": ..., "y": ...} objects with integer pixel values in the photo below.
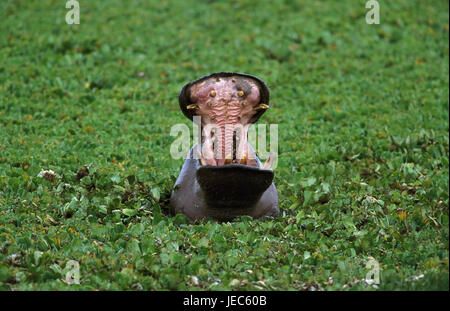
[{"x": 226, "y": 104}]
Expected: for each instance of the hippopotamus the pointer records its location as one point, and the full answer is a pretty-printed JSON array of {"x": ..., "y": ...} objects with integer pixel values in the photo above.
[{"x": 222, "y": 177}]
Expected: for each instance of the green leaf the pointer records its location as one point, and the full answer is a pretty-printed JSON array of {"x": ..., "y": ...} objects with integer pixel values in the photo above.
[
  {"x": 203, "y": 242},
  {"x": 4, "y": 273},
  {"x": 306, "y": 255},
  {"x": 299, "y": 217},
  {"x": 129, "y": 212},
  {"x": 37, "y": 255},
  {"x": 115, "y": 179},
  {"x": 307, "y": 197},
  {"x": 103, "y": 209},
  {"x": 156, "y": 193},
  {"x": 307, "y": 182}
]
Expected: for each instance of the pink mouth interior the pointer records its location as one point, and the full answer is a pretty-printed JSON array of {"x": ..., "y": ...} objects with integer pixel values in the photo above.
[{"x": 226, "y": 106}]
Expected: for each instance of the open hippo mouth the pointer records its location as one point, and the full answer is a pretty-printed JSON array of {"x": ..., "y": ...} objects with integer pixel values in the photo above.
[{"x": 222, "y": 178}]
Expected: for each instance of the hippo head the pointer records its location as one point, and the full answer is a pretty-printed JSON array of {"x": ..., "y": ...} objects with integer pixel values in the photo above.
[{"x": 222, "y": 178}]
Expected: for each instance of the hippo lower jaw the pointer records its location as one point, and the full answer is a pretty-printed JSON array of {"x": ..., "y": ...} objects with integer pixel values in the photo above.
[
  {"x": 223, "y": 178},
  {"x": 224, "y": 192}
]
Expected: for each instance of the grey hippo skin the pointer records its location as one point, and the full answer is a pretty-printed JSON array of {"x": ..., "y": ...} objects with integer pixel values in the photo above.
[{"x": 223, "y": 178}]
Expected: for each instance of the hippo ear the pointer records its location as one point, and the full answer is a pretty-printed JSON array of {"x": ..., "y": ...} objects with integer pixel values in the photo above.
[{"x": 184, "y": 98}]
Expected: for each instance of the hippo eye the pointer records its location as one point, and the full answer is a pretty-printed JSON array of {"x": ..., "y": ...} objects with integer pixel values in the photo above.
[
  {"x": 213, "y": 93},
  {"x": 241, "y": 93}
]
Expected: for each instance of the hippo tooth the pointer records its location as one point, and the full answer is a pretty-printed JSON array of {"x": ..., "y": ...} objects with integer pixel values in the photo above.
[
  {"x": 228, "y": 159},
  {"x": 269, "y": 161},
  {"x": 262, "y": 106},
  {"x": 202, "y": 162},
  {"x": 192, "y": 107},
  {"x": 243, "y": 160},
  {"x": 200, "y": 157}
]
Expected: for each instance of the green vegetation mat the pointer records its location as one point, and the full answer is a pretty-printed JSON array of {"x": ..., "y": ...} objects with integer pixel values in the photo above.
[{"x": 363, "y": 169}]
